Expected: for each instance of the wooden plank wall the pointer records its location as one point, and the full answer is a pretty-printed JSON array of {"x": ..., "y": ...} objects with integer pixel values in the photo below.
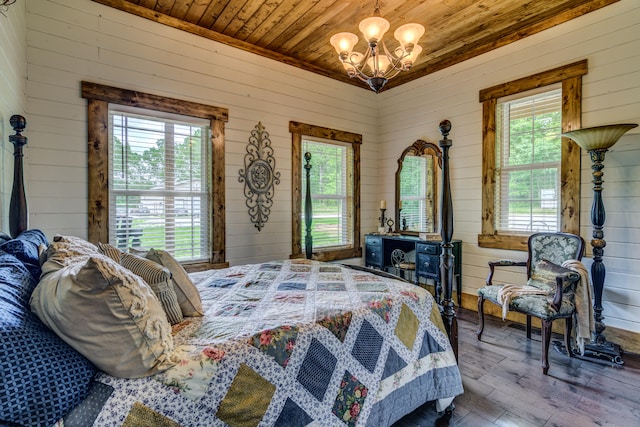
[
  {"x": 13, "y": 98},
  {"x": 610, "y": 40},
  {"x": 74, "y": 40}
]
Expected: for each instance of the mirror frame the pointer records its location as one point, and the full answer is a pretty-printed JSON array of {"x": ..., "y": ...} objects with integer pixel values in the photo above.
[{"x": 418, "y": 148}]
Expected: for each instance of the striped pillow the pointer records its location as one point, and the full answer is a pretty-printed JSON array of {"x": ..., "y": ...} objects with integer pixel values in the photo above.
[
  {"x": 110, "y": 251},
  {"x": 159, "y": 279},
  {"x": 188, "y": 295}
]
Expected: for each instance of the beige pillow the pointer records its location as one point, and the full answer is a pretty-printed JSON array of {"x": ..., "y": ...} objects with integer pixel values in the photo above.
[
  {"x": 108, "y": 314},
  {"x": 159, "y": 278},
  {"x": 64, "y": 251},
  {"x": 188, "y": 295}
]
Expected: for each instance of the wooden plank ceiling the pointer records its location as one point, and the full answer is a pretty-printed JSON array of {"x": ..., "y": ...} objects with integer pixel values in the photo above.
[{"x": 297, "y": 32}]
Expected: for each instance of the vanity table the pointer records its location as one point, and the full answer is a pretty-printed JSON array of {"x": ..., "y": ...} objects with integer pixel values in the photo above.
[{"x": 378, "y": 248}]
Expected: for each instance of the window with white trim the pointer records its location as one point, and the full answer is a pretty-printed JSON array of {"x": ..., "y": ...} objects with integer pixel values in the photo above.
[
  {"x": 332, "y": 186},
  {"x": 528, "y": 154},
  {"x": 159, "y": 178}
]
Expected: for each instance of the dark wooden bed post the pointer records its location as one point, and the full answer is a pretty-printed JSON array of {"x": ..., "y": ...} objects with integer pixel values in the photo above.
[
  {"x": 18, "y": 217},
  {"x": 446, "y": 233},
  {"x": 308, "y": 214}
]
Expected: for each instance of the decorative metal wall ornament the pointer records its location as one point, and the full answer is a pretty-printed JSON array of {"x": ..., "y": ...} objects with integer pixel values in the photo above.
[
  {"x": 4, "y": 5},
  {"x": 259, "y": 176}
]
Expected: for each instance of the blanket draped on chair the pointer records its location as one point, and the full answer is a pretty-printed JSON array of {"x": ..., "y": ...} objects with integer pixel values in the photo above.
[
  {"x": 585, "y": 324},
  {"x": 509, "y": 292}
]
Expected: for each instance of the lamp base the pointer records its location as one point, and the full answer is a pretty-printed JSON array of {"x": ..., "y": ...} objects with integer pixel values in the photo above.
[{"x": 605, "y": 352}]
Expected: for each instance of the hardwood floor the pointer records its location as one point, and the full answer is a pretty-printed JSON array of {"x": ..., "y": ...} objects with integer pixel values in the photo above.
[{"x": 504, "y": 384}]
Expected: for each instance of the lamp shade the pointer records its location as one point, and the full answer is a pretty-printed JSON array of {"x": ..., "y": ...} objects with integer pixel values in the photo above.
[
  {"x": 598, "y": 137},
  {"x": 343, "y": 42},
  {"x": 374, "y": 28},
  {"x": 409, "y": 60},
  {"x": 408, "y": 34},
  {"x": 383, "y": 64}
]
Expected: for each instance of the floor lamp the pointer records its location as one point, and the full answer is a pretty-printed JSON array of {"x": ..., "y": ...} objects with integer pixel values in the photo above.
[{"x": 596, "y": 141}]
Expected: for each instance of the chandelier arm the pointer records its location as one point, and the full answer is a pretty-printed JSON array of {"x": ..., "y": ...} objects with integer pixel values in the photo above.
[
  {"x": 358, "y": 67},
  {"x": 395, "y": 61},
  {"x": 392, "y": 73}
]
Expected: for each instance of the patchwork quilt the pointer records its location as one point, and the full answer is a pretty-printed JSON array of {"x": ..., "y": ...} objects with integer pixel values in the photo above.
[{"x": 290, "y": 343}]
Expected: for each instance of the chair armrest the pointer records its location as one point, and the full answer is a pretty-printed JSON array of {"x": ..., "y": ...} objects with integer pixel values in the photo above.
[
  {"x": 502, "y": 263},
  {"x": 563, "y": 280}
]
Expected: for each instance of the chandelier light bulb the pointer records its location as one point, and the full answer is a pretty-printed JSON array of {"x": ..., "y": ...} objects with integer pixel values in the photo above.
[
  {"x": 408, "y": 35},
  {"x": 373, "y": 29},
  {"x": 409, "y": 60},
  {"x": 383, "y": 64},
  {"x": 343, "y": 43}
]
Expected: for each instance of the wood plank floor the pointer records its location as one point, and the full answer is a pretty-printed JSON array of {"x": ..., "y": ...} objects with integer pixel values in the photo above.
[{"x": 504, "y": 384}]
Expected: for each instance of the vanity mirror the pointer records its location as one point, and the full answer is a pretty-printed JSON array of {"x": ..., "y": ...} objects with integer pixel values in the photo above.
[{"x": 417, "y": 188}]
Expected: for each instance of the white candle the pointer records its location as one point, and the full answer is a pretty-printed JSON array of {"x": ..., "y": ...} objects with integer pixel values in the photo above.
[
  {"x": 400, "y": 205},
  {"x": 383, "y": 204}
]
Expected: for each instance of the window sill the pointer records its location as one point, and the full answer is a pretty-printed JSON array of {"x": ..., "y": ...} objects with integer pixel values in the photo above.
[
  {"x": 333, "y": 255},
  {"x": 202, "y": 266},
  {"x": 516, "y": 242}
]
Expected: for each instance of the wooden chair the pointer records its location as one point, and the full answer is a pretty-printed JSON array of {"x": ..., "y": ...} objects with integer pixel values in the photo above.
[
  {"x": 404, "y": 267},
  {"x": 546, "y": 253}
]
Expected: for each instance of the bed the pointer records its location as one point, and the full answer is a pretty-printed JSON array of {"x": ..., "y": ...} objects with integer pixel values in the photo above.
[{"x": 281, "y": 343}]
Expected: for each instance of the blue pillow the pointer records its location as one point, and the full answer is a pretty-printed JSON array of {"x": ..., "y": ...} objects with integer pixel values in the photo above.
[
  {"x": 4, "y": 237},
  {"x": 25, "y": 248},
  {"x": 42, "y": 377}
]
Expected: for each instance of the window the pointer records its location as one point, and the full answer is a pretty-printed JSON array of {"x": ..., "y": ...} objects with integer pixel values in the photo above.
[
  {"x": 528, "y": 149},
  {"x": 159, "y": 175},
  {"x": 416, "y": 194},
  {"x": 331, "y": 178},
  {"x": 335, "y": 181},
  {"x": 156, "y": 174},
  {"x": 529, "y": 183}
]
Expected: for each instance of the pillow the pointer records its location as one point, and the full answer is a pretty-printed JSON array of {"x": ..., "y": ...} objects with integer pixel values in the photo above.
[
  {"x": 108, "y": 314},
  {"x": 4, "y": 237},
  {"x": 65, "y": 251},
  {"x": 543, "y": 275},
  {"x": 110, "y": 251},
  {"x": 43, "y": 378},
  {"x": 188, "y": 295},
  {"x": 158, "y": 278},
  {"x": 26, "y": 247}
]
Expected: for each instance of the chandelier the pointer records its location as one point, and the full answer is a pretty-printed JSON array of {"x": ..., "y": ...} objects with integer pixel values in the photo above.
[{"x": 377, "y": 66}]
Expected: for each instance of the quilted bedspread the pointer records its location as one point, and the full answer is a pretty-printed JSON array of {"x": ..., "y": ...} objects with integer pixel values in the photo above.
[{"x": 290, "y": 343}]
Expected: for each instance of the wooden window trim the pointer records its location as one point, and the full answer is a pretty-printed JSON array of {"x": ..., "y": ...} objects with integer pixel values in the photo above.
[
  {"x": 99, "y": 97},
  {"x": 570, "y": 76},
  {"x": 297, "y": 131}
]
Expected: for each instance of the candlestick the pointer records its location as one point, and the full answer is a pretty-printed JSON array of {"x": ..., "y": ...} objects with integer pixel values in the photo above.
[{"x": 382, "y": 218}]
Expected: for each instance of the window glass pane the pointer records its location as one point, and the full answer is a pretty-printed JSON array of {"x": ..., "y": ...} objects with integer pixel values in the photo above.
[
  {"x": 529, "y": 152},
  {"x": 416, "y": 194},
  {"x": 159, "y": 186},
  {"x": 331, "y": 179}
]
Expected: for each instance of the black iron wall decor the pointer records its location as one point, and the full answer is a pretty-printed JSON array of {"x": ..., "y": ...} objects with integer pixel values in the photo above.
[
  {"x": 4, "y": 5},
  {"x": 259, "y": 176}
]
